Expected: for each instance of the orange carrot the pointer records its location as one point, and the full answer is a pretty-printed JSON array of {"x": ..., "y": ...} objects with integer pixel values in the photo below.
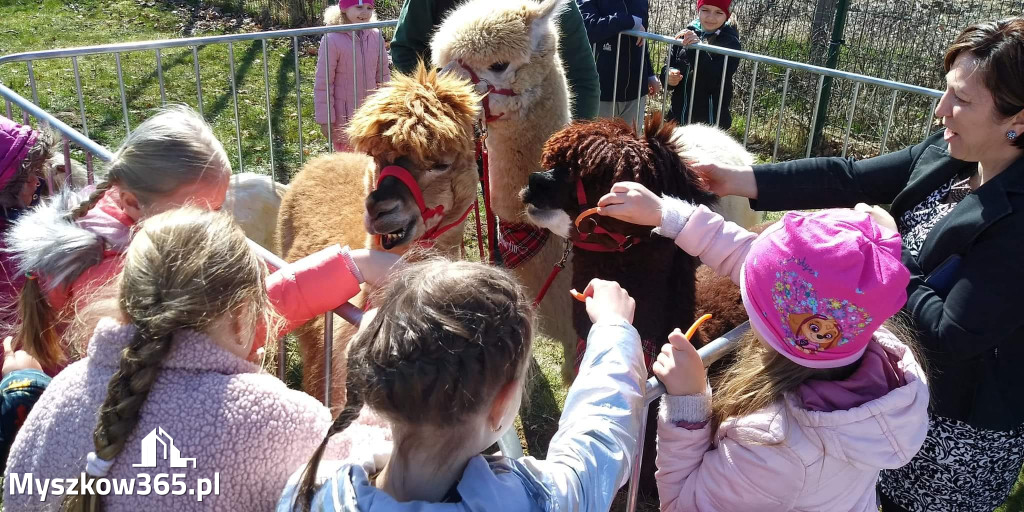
[
  {"x": 696, "y": 325},
  {"x": 577, "y": 295},
  {"x": 585, "y": 214}
]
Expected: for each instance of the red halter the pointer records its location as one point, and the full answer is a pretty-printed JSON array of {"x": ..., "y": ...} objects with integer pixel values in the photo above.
[
  {"x": 490, "y": 90},
  {"x": 406, "y": 178},
  {"x": 625, "y": 242}
]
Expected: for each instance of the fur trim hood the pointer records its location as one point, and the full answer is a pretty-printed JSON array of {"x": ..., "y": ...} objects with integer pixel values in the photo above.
[{"x": 45, "y": 242}]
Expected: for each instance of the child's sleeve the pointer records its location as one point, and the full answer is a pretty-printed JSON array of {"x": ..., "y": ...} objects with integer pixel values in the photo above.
[
  {"x": 326, "y": 63},
  {"x": 735, "y": 476},
  {"x": 384, "y": 62},
  {"x": 312, "y": 286},
  {"x": 598, "y": 434},
  {"x": 720, "y": 244}
]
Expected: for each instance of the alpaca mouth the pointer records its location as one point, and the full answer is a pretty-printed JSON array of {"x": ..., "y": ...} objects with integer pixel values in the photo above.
[
  {"x": 556, "y": 221},
  {"x": 395, "y": 238}
]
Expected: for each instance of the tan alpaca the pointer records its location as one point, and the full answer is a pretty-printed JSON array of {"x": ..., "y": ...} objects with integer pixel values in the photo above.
[
  {"x": 514, "y": 45},
  {"x": 423, "y": 123}
]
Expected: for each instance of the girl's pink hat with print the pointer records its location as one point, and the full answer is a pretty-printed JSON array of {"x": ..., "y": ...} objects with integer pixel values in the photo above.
[
  {"x": 15, "y": 141},
  {"x": 345, "y": 4},
  {"x": 818, "y": 285}
]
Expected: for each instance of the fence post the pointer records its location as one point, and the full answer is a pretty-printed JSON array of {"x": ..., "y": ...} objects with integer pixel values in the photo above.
[{"x": 842, "y": 8}]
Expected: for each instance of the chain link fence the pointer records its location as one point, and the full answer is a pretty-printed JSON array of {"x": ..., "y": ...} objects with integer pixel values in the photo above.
[{"x": 899, "y": 41}]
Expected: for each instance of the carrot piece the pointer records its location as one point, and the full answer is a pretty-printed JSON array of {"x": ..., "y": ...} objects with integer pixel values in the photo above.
[
  {"x": 585, "y": 214},
  {"x": 696, "y": 325},
  {"x": 577, "y": 295}
]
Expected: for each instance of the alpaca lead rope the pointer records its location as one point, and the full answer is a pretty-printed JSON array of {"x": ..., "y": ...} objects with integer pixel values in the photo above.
[{"x": 554, "y": 273}]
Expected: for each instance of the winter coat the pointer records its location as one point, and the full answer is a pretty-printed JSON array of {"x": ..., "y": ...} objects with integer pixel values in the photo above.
[
  {"x": 819, "y": 448},
  {"x": 335, "y": 60},
  {"x": 604, "y": 20},
  {"x": 419, "y": 19},
  {"x": 241, "y": 428},
  {"x": 75, "y": 259},
  {"x": 708, "y": 77},
  {"x": 964, "y": 292},
  {"x": 587, "y": 462}
]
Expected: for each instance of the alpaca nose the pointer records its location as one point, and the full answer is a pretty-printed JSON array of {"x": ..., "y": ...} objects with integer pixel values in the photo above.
[
  {"x": 536, "y": 184},
  {"x": 378, "y": 209}
]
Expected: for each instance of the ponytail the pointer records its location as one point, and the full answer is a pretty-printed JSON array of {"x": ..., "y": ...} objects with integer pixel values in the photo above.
[{"x": 37, "y": 332}]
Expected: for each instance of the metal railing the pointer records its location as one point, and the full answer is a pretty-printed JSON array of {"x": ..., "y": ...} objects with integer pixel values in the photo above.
[{"x": 789, "y": 66}]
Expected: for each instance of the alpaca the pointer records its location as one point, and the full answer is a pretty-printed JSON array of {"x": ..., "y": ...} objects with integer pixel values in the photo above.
[
  {"x": 703, "y": 143},
  {"x": 423, "y": 123},
  {"x": 253, "y": 200},
  {"x": 511, "y": 51},
  {"x": 584, "y": 161}
]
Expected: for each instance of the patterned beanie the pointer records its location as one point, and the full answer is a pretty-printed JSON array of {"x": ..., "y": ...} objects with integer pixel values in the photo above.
[
  {"x": 15, "y": 141},
  {"x": 817, "y": 285}
]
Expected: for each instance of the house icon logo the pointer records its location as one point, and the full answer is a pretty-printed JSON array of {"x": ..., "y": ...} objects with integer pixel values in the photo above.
[{"x": 159, "y": 443}]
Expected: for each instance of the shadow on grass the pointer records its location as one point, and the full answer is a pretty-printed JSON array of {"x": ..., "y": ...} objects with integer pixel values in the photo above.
[{"x": 540, "y": 414}]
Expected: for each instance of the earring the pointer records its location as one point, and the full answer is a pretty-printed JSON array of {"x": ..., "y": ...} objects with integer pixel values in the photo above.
[{"x": 1011, "y": 135}]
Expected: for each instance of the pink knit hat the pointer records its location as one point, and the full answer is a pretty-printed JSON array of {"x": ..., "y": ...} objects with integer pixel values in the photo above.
[
  {"x": 15, "y": 141},
  {"x": 818, "y": 285},
  {"x": 345, "y": 4}
]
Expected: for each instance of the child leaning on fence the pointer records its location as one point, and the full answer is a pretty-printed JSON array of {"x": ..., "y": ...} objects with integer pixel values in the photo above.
[
  {"x": 169, "y": 359},
  {"x": 354, "y": 62},
  {"x": 821, "y": 396},
  {"x": 444, "y": 359},
  {"x": 715, "y": 26}
]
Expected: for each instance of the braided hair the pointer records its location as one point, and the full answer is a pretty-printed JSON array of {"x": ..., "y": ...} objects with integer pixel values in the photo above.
[
  {"x": 185, "y": 269},
  {"x": 447, "y": 337}
]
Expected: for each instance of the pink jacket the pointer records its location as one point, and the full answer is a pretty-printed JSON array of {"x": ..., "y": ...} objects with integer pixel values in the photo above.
[
  {"x": 804, "y": 452},
  {"x": 335, "y": 59},
  {"x": 244, "y": 428}
]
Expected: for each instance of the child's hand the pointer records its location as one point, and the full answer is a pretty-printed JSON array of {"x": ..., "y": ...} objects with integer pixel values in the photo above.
[
  {"x": 653, "y": 85},
  {"x": 606, "y": 300},
  {"x": 879, "y": 215},
  {"x": 17, "y": 359},
  {"x": 727, "y": 180},
  {"x": 674, "y": 77},
  {"x": 374, "y": 265},
  {"x": 687, "y": 37},
  {"x": 631, "y": 202},
  {"x": 679, "y": 367}
]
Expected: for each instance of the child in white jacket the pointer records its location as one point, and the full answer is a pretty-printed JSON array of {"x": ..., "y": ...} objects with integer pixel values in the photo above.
[{"x": 821, "y": 397}]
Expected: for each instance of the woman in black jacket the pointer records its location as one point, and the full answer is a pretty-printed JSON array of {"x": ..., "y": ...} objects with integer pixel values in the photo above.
[
  {"x": 958, "y": 199},
  {"x": 713, "y": 26}
]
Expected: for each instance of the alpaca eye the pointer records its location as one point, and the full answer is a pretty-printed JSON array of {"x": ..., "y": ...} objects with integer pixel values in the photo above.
[
  {"x": 498, "y": 67},
  {"x": 440, "y": 167}
]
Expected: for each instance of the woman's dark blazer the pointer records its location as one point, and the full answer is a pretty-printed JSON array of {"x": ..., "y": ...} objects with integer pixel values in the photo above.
[{"x": 966, "y": 292}]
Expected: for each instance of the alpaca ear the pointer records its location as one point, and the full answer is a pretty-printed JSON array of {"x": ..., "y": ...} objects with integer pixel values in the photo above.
[{"x": 544, "y": 19}]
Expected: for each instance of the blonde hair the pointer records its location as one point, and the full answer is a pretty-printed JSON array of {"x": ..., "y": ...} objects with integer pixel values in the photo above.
[
  {"x": 334, "y": 15},
  {"x": 185, "y": 269},
  {"x": 446, "y": 338},
  {"x": 174, "y": 148},
  {"x": 759, "y": 376}
]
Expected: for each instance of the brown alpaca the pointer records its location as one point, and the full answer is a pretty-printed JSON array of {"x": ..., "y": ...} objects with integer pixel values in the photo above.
[
  {"x": 423, "y": 123},
  {"x": 513, "y": 46},
  {"x": 658, "y": 275}
]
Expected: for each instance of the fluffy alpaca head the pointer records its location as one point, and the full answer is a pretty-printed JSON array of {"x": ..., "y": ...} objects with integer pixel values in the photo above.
[
  {"x": 423, "y": 123},
  {"x": 513, "y": 46},
  {"x": 599, "y": 154}
]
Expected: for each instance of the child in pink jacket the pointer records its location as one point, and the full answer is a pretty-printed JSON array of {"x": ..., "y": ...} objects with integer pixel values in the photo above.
[
  {"x": 343, "y": 80},
  {"x": 166, "y": 394},
  {"x": 821, "y": 397}
]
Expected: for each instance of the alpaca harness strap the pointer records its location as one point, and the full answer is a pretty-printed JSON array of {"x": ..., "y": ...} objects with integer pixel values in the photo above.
[
  {"x": 403, "y": 175},
  {"x": 490, "y": 90},
  {"x": 586, "y": 217}
]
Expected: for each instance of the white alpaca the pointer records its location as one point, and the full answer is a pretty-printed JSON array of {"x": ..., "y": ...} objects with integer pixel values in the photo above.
[
  {"x": 513, "y": 46},
  {"x": 253, "y": 200},
  {"x": 703, "y": 143}
]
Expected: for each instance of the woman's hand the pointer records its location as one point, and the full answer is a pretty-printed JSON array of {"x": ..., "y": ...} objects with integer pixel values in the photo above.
[
  {"x": 679, "y": 367},
  {"x": 687, "y": 37},
  {"x": 674, "y": 77},
  {"x": 728, "y": 180},
  {"x": 374, "y": 265},
  {"x": 606, "y": 300},
  {"x": 631, "y": 202},
  {"x": 879, "y": 215}
]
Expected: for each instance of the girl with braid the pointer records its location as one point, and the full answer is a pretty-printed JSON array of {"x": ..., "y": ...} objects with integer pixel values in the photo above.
[
  {"x": 169, "y": 363},
  {"x": 444, "y": 360}
]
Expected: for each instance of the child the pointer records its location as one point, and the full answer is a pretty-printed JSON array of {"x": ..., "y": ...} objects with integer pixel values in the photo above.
[
  {"x": 713, "y": 26},
  {"x": 825, "y": 396},
  {"x": 335, "y": 60},
  {"x": 444, "y": 360},
  {"x": 170, "y": 363}
]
